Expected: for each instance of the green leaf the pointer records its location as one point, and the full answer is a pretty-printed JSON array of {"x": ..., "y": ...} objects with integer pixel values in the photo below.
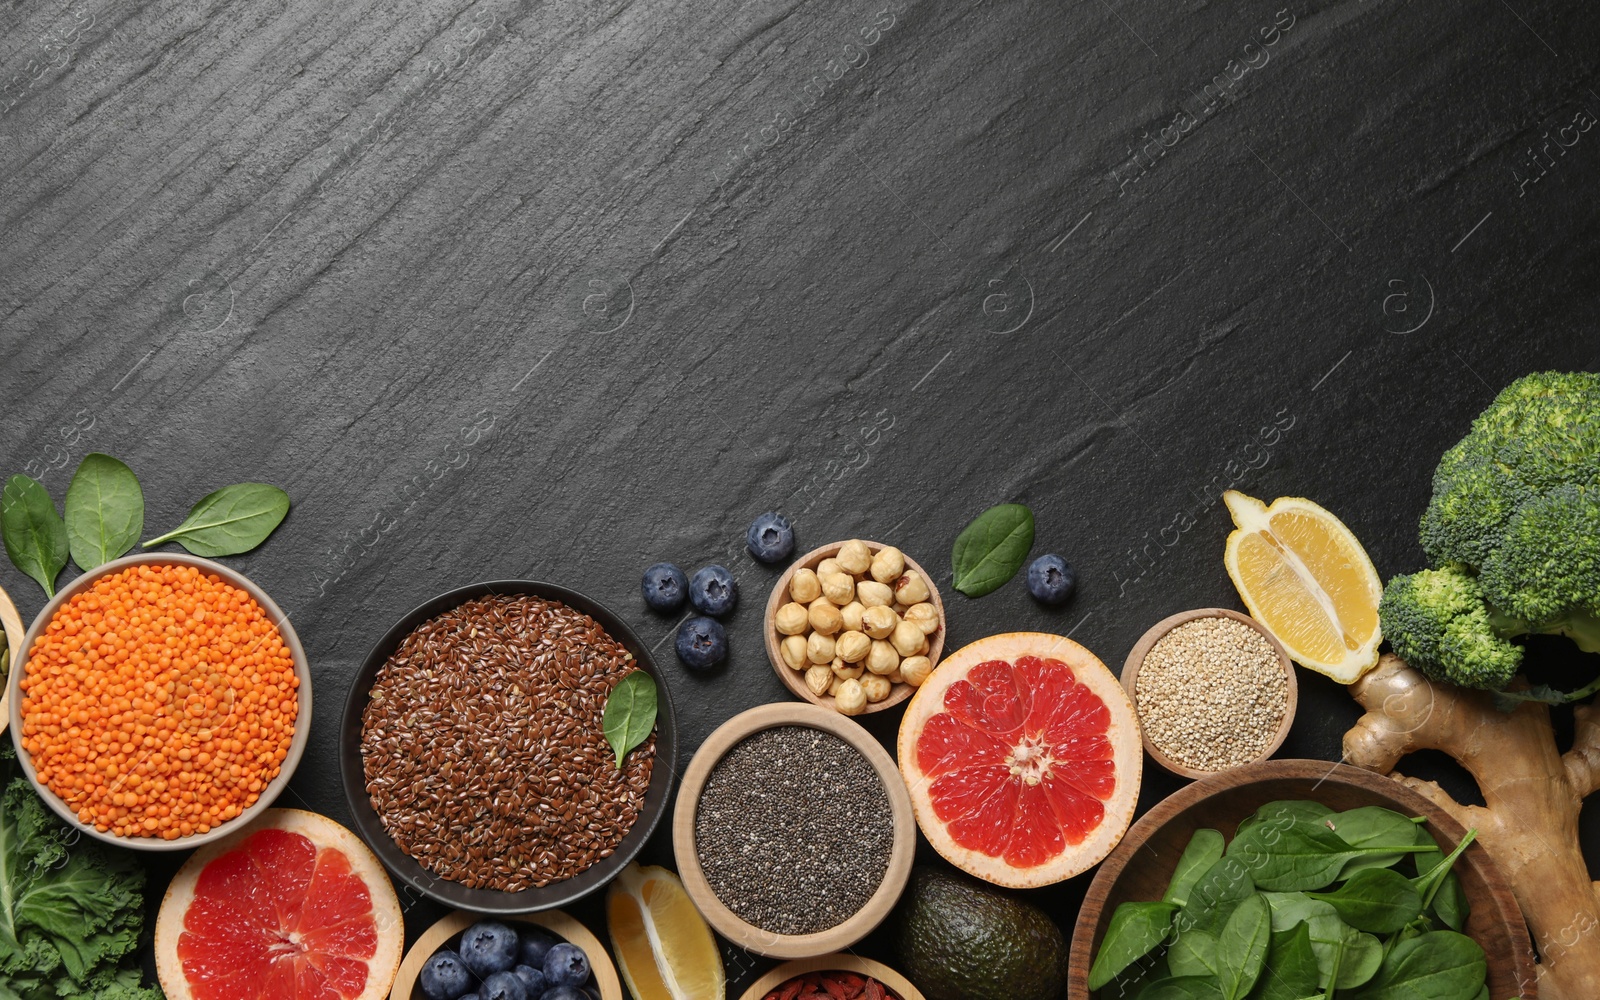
[
  {"x": 232, "y": 520},
  {"x": 35, "y": 535},
  {"x": 1437, "y": 881},
  {"x": 105, "y": 511},
  {"x": 1377, "y": 900},
  {"x": 1355, "y": 954},
  {"x": 1291, "y": 970},
  {"x": 1291, "y": 908},
  {"x": 1439, "y": 965},
  {"x": 1242, "y": 947},
  {"x": 991, "y": 549},
  {"x": 1288, "y": 855},
  {"x": 630, "y": 713},
  {"x": 1194, "y": 953},
  {"x": 1183, "y": 988},
  {"x": 1368, "y": 825},
  {"x": 1204, "y": 850},
  {"x": 1285, "y": 809},
  {"x": 1135, "y": 930},
  {"x": 1223, "y": 886}
]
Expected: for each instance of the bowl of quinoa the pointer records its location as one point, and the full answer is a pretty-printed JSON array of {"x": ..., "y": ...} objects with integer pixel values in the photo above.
[
  {"x": 473, "y": 755},
  {"x": 159, "y": 702}
]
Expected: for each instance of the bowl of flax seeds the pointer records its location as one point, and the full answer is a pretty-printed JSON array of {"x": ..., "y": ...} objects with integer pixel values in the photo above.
[{"x": 472, "y": 754}]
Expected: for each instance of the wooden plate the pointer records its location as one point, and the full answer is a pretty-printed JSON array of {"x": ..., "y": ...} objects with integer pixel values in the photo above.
[
  {"x": 11, "y": 622},
  {"x": 554, "y": 921},
  {"x": 795, "y": 680},
  {"x": 838, "y": 962},
  {"x": 1142, "y": 865},
  {"x": 723, "y": 920},
  {"x": 1130, "y": 673}
]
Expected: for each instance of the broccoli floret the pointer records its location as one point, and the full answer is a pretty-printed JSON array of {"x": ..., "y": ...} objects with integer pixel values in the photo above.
[{"x": 1514, "y": 523}]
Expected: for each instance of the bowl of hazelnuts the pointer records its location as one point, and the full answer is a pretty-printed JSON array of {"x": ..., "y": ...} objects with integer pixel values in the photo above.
[{"x": 854, "y": 626}]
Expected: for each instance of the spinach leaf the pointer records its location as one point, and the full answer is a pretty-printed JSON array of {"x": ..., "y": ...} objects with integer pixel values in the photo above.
[
  {"x": 1438, "y": 965},
  {"x": 229, "y": 521},
  {"x": 1370, "y": 825},
  {"x": 630, "y": 714},
  {"x": 1336, "y": 944},
  {"x": 1286, "y": 809},
  {"x": 1242, "y": 947},
  {"x": 1183, "y": 988},
  {"x": 1287, "y": 855},
  {"x": 1135, "y": 978},
  {"x": 1194, "y": 953},
  {"x": 1290, "y": 908},
  {"x": 1223, "y": 886},
  {"x": 1449, "y": 904},
  {"x": 1135, "y": 930},
  {"x": 991, "y": 549},
  {"x": 1204, "y": 850},
  {"x": 105, "y": 511},
  {"x": 1291, "y": 970},
  {"x": 1379, "y": 900},
  {"x": 35, "y": 535}
]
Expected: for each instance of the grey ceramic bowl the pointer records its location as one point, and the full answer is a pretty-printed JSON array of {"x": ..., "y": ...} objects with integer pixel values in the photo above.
[{"x": 302, "y": 722}]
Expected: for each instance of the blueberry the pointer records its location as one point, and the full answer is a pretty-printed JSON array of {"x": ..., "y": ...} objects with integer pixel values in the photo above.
[
  {"x": 444, "y": 976},
  {"x": 702, "y": 643},
  {"x": 664, "y": 587},
  {"x": 532, "y": 978},
  {"x": 535, "y": 945},
  {"x": 770, "y": 539},
  {"x": 564, "y": 993},
  {"x": 566, "y": 965},
  {"x": 1051, "y": 580},
  {"x": 712, "y": 591},
  {"x": 503, "y": 986},
  {"x": 488, "y": 947}
]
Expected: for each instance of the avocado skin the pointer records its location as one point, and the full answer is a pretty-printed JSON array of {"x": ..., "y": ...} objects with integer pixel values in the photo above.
[{"x": 958, "y": 939}]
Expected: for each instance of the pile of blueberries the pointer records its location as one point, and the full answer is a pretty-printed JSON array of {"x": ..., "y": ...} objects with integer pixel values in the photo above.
[
  {"x": 494, "y": 962},
  {"x": 702, "y": 642}
]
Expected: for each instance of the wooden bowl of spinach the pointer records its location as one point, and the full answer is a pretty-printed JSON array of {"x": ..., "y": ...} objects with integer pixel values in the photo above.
[{"x": 1277, "y": 878}]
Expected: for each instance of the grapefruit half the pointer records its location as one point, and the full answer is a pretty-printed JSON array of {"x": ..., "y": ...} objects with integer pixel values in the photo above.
[
  {"x": 1023, "y": 757},
  {"x": 292, "y": 907}
]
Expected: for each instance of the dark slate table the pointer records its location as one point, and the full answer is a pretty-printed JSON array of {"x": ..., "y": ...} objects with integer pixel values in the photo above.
[{"x": 553, "y": 291}]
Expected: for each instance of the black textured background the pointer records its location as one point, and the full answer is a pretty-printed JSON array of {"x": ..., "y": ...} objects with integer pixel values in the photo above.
[{"x": 555, "y": 290}]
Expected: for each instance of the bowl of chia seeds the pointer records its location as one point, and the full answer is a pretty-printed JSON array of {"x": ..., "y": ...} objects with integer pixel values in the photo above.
[
  {"x": 473, "y": 755},
  {"x": 793, "y": 831}
]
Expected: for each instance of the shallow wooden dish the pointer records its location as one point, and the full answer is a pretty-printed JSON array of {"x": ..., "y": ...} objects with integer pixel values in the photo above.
[
  {"x": 723, "y": 920},
  {"x": 1142, "y": 865},
  {"x": 11, "y": 624},
  {"x": 1130, "y": 673},
  {"x": 839, "y": 962},
  {"x": 795, "y": 680},
  {"x": 302, "y": 722},
  {"x": 554, "y": 921}
]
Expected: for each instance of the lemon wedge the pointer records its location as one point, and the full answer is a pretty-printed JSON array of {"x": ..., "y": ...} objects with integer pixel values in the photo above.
[
  {"x": 664, "y": 948},
  {"x": 1305, "y": 577}
]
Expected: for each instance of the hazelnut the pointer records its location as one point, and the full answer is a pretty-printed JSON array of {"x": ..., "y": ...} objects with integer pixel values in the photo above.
[
  {"x": 824, "y": 617},
  {"x": 850, "y": 699},
  {"x": 877, "y": 688},
  {"x": 887, "y": 565},
  {"x": 883, "y": 659},
  {"x": 895, "y": 676},
  {"x": 818, "y": 679},
  {"x": 907, "y": 638},
  {"x": 879, "y": 622},
  {"x": 851, "y": 613},
  {"x": 915, "y": 669},
  {"x": 793, "y": 650},
  {"x": 833, "y": 685},
  {"x": 819, "y": 648},
  {"x": 838, "y": 588},
  {"x": 925, "y": 616},
  {"x": 854, "y": 557},
  {"x": 873, "y": 594},
  {"x": 910, "y": 589},
  {"x": 852, "y": 647},
  {"x": 828, "y": 565},
  {"x": 804, "y": 587},
  {"x": 791, "y": 619},
  {"x": 846, "y": 671}
]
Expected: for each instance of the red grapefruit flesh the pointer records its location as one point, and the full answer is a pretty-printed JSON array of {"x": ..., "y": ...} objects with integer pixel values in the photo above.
[
  {"x": 293, "y": 907},
  {"x": 1023, "y": 758}
]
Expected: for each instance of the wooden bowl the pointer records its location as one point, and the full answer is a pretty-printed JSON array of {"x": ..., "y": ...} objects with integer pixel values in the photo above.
[
  {"x": 554, "y": 921},
  {"x": 1130, "y": 673},
  {"x": 795, "y": 680},
  {"x": 11, "y": 624},
  {"x": 1142, "y": 865},
  {"x": 723, "y": 920},
  {"x": 838, "y": 962},
  {"x": 302, "y": 722}
]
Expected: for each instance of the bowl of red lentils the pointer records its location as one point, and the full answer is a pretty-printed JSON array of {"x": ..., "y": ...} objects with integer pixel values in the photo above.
[{"x": 160, "y": 702}]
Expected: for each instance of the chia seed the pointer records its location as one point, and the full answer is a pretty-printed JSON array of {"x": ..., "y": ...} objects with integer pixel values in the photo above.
[{"x": 793, "y": 830}]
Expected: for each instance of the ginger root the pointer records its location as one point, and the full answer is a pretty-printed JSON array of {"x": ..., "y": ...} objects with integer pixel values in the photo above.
[{"x": 1532, "y": 795}]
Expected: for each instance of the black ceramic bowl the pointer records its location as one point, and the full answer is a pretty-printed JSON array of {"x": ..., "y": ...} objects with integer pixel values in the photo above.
[{"x": 493, "y": 901}]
